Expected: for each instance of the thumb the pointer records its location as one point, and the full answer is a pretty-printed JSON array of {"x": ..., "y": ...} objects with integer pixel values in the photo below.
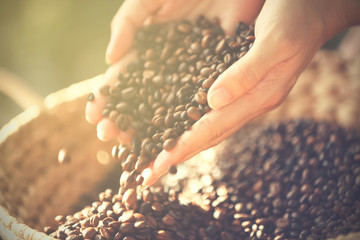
[{"x": 244, "y": 74}]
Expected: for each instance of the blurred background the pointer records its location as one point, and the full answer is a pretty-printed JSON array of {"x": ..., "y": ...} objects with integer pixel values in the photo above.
[{"x": 52, "y": 44}]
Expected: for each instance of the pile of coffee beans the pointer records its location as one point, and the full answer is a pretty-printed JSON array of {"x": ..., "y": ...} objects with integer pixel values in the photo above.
[
  {"x": 159, "y": 215},
  {"x": 299, "y": 179},
  {"x": 164, "y": 92},
  {"x": 294, "y": 180}
]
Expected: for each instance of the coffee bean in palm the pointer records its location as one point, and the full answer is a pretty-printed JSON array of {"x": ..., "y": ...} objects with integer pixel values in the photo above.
[
  {"x": 201, "y": 97},
  {"x": 194, "y": 113},
  {"x": 122, "y": 122},
  {"x": 105, "y": 90},
  {"x": 129, "y": 198},
  {"x": 169, "y": 144},
  {"x": 142, "y": 163},
  {"x": 64, "y": 156},
  {"x": 91, "y": 97},
  {"x": 208, "y": 82},
  {"x": 89, "y": 232},
  {"x": 128, "y": 93}
]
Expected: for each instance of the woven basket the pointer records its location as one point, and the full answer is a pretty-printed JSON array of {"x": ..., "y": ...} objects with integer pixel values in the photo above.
[{"x": 34, "y": 187}]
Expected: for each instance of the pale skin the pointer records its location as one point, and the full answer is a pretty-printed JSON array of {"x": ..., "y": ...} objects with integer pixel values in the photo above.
[{"x": 288, "y": 33}]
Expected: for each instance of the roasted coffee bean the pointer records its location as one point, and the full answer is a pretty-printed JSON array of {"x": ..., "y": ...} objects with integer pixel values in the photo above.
[
  {"x": 207, "y": 83},
  {"x": 194, "y": 113},
  {"x": 169, "y": 120},
  {"x": 139, "y": 180},
  {"x": 91, "y": 97},
  {"x": 220, "y": 46},
  {"x": 104, "y": 90},
  {"x": 205, "y": 41},
  {"x": 63, "y": 156},
  {"x": 48, "y": 230},
  {"x": 122, "y": 153},
  {"x": 169, "y": 144},
  {"x": 89, "y": 232},
  {"x": 60, "y": 218},
  {"x": 150, "y": 54},
  {"x": 94, "y": 220},
  {"x": 142, "y": 163},
  {"x": 184, "y": 27},
  {"x": 122, "y": 122},
  {"x": 128, "y": 93},
  {"x": 128, "y": 238},
  {"x": 150, "y": 65},
  {"x": 173, "y": 170},
  {"x": 168, "y": 220},
  {"x": 163, "y": 235},
  {"x": 157, "y": 207},
  {"x": 205, "y": 72},
  {"x": 201, "y": 97},
  {"x": 127, "y": 216},
  {"x": 104, "y": 232}
]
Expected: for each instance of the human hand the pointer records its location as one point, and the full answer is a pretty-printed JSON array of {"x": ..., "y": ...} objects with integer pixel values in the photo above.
[
  {"x": 106, "y": 129},
  {"x": 288, "y": 33},
  {"x": 131, "y": 16}
]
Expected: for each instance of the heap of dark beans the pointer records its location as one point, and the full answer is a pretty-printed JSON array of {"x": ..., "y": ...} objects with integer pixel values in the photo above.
[
  {"x": 157, "y": 214},
  {"x": 293, "y": 180},
  {"x": 164, "y": 92}
]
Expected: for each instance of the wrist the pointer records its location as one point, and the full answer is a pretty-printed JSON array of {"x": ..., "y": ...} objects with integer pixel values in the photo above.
[{"x": 342, "y": 14}]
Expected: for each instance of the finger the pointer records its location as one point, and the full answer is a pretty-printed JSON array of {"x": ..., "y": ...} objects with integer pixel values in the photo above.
[
  {"x": 93, "y": 109},
  {"x": 177, "y": 9},
  {"x": 106, "y": 130},
  {"x": 127, "y": 20},
  {"x": 236, "y": 11},
  {"x": 246, "y": 73}
]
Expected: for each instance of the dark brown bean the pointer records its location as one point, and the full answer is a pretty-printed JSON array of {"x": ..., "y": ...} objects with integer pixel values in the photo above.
[
  {"x": 123, "y": 122},
  {"x": 89, "y": 232},
  {"x": 169, "y": 144},
  {"x": 201, "y": 97},
  {"x": 207, "y": 83},
  {"x": 127, "y": 216},
  {"x": 91, "y": 97},
  {"x": 206, "y": 71},
  {"x": 104, "y": 90},
  {"x": 184, "y": 27},
  {"x": 194, "y": 113}
]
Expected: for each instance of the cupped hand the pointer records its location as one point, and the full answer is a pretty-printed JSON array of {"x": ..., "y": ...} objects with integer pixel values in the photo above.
[
  {"x": 130, "y": 17},
  {"x": 133, "y": 13},
  {"x": 288, "y": 33}
]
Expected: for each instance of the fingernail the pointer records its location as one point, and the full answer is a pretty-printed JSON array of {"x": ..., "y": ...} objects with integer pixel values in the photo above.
[
  {"x": 149, "y": 181},
  {"x": 219, "y": 98},
  {"x": 108, "y": 52},
  {"x": 107, "y": 58},
  {"x": 161, "y": 164},
  {"x": 100, "y": 134},
  {"x": 147, "y": 175}
]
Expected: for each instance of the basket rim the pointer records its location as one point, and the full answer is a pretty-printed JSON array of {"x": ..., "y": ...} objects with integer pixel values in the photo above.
[
  {"x": 68, "y": 94},
  {"x": 10, "y": 227}
]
